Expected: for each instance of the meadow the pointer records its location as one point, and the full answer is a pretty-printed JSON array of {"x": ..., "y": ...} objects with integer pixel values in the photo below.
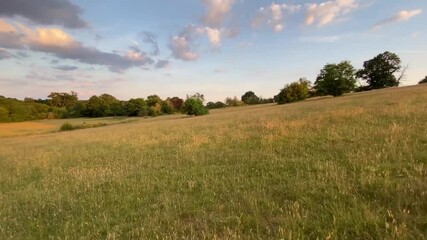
[
  {"x": 53, "y": 125},
  {"x": 351, "y": 167}
]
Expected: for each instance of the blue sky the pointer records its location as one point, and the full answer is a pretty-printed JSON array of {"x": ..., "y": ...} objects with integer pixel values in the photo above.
[{"x": 221, "y": 48}]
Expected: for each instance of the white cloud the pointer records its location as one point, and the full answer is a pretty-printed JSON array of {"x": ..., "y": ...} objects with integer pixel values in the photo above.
[
  {"x": 58, "y": 43},
  {"x": 217, "y": 11},
  {"x": 327, "y": 12},
  {"x": 399, "y": 17},
  {"x": 272, "y": 16},
  {"x": 183, "y": 45},
  {"x": 214, "y": 36},
  {"x": 180, "y": 47}
]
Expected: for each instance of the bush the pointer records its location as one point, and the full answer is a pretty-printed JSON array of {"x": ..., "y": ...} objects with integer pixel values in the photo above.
[
  {"x": 67, "y": 127},
  {"x": 94, "y": 125},
  {"x": 194, "y": 106},
  {"x": 423, "y": 81},
  {"x": 213, "y": 105},
  {"x": 250, "y": 98},
  {"x": 233, "y": 102},
  {"x": 294, "y": 92}
]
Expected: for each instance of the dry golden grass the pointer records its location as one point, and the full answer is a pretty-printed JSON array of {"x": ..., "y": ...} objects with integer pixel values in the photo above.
[
  {"x": 352, "y": 167},
  {"x": 48, "y": 126},
  {"x": 24, "y": 128}
]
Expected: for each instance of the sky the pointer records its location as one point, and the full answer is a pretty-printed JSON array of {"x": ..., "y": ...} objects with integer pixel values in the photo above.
[{"x": 220, "y": 48}]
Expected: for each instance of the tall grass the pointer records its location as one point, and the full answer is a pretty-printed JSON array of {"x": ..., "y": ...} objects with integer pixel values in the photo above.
[{"x": 352, "y": 167}]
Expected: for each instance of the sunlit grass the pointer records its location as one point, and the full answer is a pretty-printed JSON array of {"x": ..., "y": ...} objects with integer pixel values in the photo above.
[
  {"x": 352, "y": 167},
  {"x": 48, "y": 126}
]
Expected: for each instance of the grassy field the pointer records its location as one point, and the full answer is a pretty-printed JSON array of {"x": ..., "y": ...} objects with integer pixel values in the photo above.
[
  {"x": 49, "y": 126},
  {"x": 352, "y": 167}
]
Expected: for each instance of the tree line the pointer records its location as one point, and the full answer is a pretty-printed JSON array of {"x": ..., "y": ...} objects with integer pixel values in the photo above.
[
  {"x": 67, "y": 105},
  {"x": 334, "y": 79},
  {"x": 383, "y": 71}
]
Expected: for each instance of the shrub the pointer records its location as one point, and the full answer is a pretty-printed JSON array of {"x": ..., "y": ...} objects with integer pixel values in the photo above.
[
  {"x": 67, "y": 127},
  {"x": 213, "y": 105},
  {"x": 194, "y": 106},
  {"x": 250, "y": 98},
  {"x": 233, "y": 102},
  {"x": 294, "y": 92}
]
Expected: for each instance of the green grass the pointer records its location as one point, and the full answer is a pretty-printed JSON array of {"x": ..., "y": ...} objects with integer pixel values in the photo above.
[{"x": 352, "y": 167}]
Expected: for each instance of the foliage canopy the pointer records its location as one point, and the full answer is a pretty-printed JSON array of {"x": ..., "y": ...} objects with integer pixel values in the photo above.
[
  {"x": 250, "y": 98},
  {"x": 193, "y": 105},
  {"x": 336, "y": 79},
  {"x": 379, "y": 72},
  {"x": 293, "y": 92}
]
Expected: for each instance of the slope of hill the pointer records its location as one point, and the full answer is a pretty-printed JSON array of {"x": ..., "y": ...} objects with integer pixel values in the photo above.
[{"x": 349, "y": 167}]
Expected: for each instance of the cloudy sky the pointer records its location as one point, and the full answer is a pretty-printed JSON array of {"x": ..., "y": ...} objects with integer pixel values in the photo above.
[{"x": 222, "y": 48}]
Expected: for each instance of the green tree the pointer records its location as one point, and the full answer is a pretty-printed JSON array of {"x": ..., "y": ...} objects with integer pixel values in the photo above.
[
  {"x": 380, "y": 71},
  {"x": 213, "y": 105},
  {"x": 14, "y": 110},
  {"x": 79, "y": 110},
  {"x": 167, "y": 107},
  {"x": 193, "y": 105},
  {"x": 113, "y": 106},
  {"x": 250, "y": 98},
  {"x": 152, "y": 100},
  {"x": 63, "y": 99},
  {"x": 265, "y": 100},
  {"x": 233, "y": 102},
  {"x": 136, "y": 107},
  {"x": 4, "y": 114},
  {"x": 336, "y": 79},
  {"x": 19, "y": 112},
  {"x": 293, "y": 92},
  {"x": 117, "y": 108},
  {"x": 155, "y": 110},
  {"x": 97, "y": 107},
  {"x": 423, "y": 81}
]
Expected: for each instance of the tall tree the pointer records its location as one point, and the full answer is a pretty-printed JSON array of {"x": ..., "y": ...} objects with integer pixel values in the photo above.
[
  {"x": 113, "y": 105},
  {"x": 250, "y": 98},
  {"x": 153, "y": 100},
  {"x": 380, "y": 71},
  {"x": 167, "y": 107},
  {"x": 136, "y": 107},
  {"x": 177, "y": 103},
  {"x": 336, "y": 79},
  {"x": 63, "y": 99},
  {"x": 97, "y": 107}
]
